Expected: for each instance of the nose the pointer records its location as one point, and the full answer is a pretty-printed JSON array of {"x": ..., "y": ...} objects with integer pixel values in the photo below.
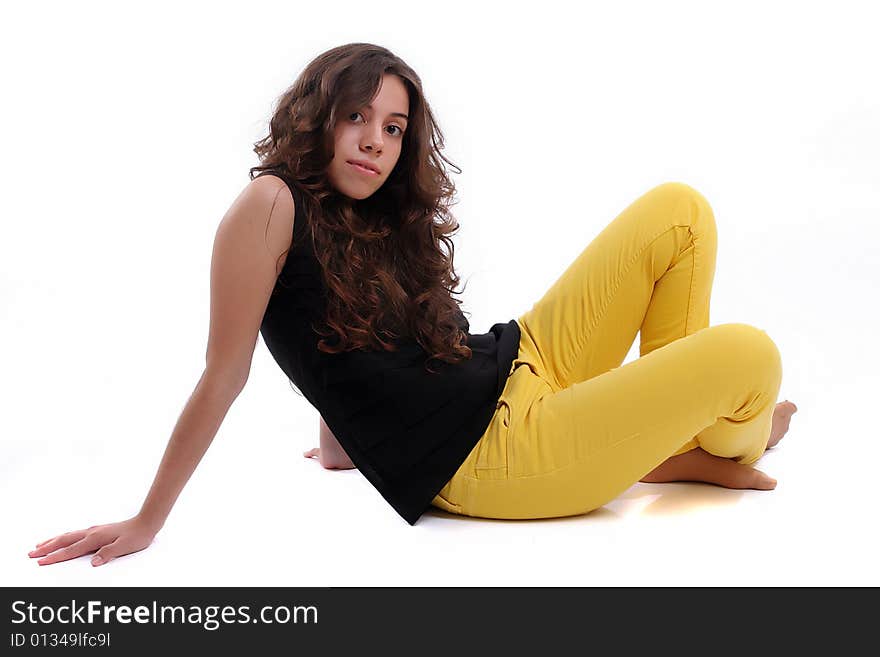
[{"x": 372, "y": 142}]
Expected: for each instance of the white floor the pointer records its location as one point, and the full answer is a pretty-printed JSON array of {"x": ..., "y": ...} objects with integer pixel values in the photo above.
[{"x": 257, "y": 513}]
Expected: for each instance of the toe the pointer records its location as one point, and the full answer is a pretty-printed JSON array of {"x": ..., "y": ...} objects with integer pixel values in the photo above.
[{"x": 763, "y": 481}]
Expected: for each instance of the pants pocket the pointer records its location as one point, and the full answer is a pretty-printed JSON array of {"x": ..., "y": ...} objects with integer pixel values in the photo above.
[{"x": 493, "y": 455}]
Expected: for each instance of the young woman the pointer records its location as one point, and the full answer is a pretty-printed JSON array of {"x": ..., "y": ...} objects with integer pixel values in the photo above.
[{"x": 333, "y": 253}]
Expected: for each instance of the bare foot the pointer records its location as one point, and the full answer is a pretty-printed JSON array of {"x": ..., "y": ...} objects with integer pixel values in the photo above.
[
  {"x": 781, "y": 418},
  {"x": 699, "y": 465}
]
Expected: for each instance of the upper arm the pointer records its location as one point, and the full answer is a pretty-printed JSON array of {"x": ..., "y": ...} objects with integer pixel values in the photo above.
[{"x": 250, "y": 248}]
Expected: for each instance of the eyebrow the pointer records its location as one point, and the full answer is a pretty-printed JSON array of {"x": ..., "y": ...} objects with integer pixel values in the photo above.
[{"x": 394, "y": 113}]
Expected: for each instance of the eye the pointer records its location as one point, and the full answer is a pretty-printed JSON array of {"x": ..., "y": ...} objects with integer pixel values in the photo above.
[{"x": 399, "y": 129}]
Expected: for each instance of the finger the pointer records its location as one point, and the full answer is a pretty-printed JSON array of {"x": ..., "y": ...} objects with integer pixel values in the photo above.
[
  {"x": 71, "y": 551},
  {"x": 106, "y": 554},
  {"x": 52, "y": 539},
  {"x": 58, "y": 542},
  {"x": 65, "y": 534}
]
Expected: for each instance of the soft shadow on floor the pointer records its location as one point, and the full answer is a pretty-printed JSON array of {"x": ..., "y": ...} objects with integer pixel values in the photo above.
[
  {"x": 679, "y": 498},
  {"x": 676, "y": 498},
  {"x": 599, "y": 515}
]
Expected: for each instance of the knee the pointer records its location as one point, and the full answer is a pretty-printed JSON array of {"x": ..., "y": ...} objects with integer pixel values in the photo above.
[
  {"x": 691, "y": 198},
  {"x": 751, "y": 347},
  {"x": 680, "y": 190}
]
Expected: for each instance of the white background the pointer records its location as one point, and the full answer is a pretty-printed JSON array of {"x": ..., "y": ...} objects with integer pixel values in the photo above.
[{"x": 127, "y": 133}]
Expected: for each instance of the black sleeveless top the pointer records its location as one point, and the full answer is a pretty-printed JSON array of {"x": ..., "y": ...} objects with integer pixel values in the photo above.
[{"x": 407, "y": 430}]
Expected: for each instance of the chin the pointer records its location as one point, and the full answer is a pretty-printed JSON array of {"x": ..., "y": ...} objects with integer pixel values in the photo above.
[
  {"x": 353, "y": 191},
  {"x": 359, "y": 196},
  {"x": 357, "y": 193}
]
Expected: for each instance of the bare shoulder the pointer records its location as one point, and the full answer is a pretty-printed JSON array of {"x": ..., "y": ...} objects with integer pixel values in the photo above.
[
  {"x": 266, "y": 204},
  {"x": 271, "y": 190},
  {"x": 269, "y": 183}
]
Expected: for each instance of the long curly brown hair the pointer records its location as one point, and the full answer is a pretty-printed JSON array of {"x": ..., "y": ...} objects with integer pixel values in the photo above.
[{"x": 385, "y": 272}]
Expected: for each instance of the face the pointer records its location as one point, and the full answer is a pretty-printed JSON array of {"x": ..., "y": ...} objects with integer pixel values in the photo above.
[{"x": 372, "y": 134}]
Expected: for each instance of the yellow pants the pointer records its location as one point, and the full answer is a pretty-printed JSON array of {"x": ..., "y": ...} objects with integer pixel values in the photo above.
[{"x": 574, "y": 427}]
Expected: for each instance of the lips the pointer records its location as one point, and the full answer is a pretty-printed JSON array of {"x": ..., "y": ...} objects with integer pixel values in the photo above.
[{"x": 365, "y": 165}]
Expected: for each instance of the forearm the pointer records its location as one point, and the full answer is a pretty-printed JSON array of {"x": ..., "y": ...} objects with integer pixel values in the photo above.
[
  {"x": 332, "y": 454},
  {"x": 193, "y": 433}
]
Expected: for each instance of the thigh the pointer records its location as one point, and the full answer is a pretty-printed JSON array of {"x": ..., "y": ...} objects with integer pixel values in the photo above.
[
  {"x": 587, "y": 321},
  {"x": 573, "y": 450},
  {"x": 490, "y": 459}
]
